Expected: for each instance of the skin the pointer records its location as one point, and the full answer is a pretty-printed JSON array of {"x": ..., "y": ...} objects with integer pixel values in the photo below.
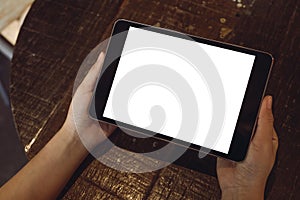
[
  {"x": 48, "y": 172},
  {"x": 53, "y": 166},
  {"x": 247, "y": 179}
]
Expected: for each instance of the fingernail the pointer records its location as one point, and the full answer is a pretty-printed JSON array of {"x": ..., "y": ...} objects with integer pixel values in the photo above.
[{"x": 269, "y": 102}]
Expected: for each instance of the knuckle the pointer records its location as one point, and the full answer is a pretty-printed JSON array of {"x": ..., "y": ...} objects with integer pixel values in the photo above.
[{"x": 268, "y": 117}]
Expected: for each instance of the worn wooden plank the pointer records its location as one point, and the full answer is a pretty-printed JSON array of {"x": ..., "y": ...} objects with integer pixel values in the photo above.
[
  {"x": 179, "y": 183},
  {"x": 45, "y": 50},
  {"x": 40, "y": 36},
  {"x": 56, "y": 37},
  {"x": 279, "y": 33},
  {"x": 83, "y": 189}
]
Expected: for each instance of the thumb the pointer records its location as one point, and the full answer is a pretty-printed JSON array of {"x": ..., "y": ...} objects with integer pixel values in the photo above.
[
  {"x": 90, "y": 80},
  {"x": 264, "y": 131}
]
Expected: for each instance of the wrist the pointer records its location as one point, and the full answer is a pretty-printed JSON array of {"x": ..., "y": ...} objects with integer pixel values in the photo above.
[
  {"x": 72, "y": 140},
  {"x": 243, "y": 193},
  {"x": 71, "y": 133}
]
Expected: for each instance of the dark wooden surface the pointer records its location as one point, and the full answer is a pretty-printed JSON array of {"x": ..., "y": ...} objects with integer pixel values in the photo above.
[{"x": 58, "y": 34}]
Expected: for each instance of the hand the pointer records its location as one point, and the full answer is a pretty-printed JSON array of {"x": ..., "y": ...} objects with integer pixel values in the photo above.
[
  {"x": 78, "y": 122},
  {"x": 247, "y": 179}
]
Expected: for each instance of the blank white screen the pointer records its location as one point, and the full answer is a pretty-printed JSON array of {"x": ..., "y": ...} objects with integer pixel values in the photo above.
[{"x": 233, "y": 67}]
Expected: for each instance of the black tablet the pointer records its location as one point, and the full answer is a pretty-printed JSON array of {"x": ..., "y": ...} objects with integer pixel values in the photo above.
[{"x": 193, "y": 91}]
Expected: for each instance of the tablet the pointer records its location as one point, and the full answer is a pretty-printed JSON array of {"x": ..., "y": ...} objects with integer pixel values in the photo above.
[{"x": 192, "y": 91}]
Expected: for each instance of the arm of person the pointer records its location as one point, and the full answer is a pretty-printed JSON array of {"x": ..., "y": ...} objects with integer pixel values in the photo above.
[
  {"x": 247, "y": 179},
  {"x": 48, "y": 172}
]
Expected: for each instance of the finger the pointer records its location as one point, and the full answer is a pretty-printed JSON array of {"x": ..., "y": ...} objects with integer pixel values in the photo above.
[
  {"x": 264, "y": 131},
  {"x": 89, "y": 81}
]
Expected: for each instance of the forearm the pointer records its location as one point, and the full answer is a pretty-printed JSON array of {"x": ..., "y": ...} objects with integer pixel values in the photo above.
[{"x": 47, "y": 173}]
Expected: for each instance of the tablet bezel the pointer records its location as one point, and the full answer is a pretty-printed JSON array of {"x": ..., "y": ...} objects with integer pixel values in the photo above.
[{"x": 247, "y": 119}]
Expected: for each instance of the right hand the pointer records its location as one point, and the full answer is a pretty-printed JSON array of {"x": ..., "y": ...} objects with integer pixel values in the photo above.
[{"x": 247, "y": 179}]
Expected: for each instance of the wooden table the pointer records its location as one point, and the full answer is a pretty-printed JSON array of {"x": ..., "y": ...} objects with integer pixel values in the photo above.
[{"x": 58, "y": 34}]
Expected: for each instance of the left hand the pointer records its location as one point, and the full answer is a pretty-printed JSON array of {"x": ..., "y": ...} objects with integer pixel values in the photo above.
[{"x": 78, "y": 121}]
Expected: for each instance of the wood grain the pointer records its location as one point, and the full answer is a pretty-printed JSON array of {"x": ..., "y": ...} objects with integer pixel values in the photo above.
[{"x": 58, "y": 34}]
